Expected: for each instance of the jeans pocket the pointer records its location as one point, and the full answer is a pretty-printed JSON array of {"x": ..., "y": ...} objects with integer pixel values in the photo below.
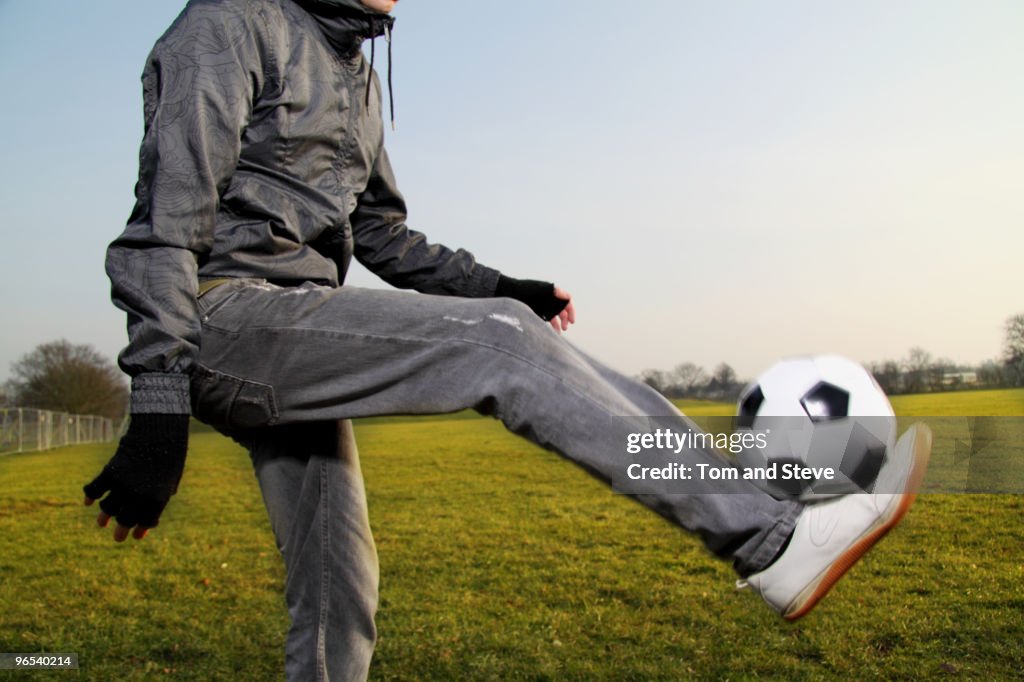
[
  {"x": 211, "y": 302},
  {"x": 229, "y": 403}
]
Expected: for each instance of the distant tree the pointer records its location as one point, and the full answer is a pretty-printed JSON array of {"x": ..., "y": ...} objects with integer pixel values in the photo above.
[
  {"x": 1013, "y": 349},
  {"x": 888, "y": 375},
  {"x": 71, "y": 378},
  {"x": 687, "y": 379},
  {"x": 990, "y": 373},
  {"x": 916, "y": 370},
  {"x": 937, "y": 371},
  {"x": 723, "y": 384},
  {"x": 656, "y": 379}
]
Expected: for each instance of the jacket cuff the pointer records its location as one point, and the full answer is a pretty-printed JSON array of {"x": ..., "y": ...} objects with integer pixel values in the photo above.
[
  {"x": 158, "y": 393},
  {"x": 482, "y": 282}
]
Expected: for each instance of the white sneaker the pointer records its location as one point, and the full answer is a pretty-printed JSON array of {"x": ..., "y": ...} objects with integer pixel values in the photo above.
[{"x": 831, "y": 536}]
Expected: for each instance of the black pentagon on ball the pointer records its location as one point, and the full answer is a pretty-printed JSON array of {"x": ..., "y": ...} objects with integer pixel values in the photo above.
[
  {"x": 863, "y": 458},
  {"x": 749, "y": 405},
  {"x": 825, "y": 401}
]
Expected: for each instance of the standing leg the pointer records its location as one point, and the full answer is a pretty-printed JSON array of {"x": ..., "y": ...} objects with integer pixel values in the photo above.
[{"x": 312, "y": 486}]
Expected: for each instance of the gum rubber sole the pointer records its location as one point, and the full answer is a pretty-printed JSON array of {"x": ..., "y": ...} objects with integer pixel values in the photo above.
[{"x": 921, "y": 452}]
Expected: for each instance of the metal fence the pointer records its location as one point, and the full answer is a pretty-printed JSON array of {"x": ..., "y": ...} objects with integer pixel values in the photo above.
[{"x": 24, "y": 429}]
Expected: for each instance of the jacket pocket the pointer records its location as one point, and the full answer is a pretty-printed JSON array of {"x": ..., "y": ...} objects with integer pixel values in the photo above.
[{"x": 229, "y": 403}]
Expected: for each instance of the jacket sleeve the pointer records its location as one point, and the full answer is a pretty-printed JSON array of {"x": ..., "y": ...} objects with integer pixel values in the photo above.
[
  {"x": 197, "y": 95},
  {"x": 402, "y": 257}
]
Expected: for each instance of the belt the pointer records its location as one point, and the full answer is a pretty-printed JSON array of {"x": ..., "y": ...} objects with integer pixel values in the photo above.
[{"x": 206, "y": 286}]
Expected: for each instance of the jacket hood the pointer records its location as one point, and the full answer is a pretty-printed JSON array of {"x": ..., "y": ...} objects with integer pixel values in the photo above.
[{"x": 347, "y": 23}]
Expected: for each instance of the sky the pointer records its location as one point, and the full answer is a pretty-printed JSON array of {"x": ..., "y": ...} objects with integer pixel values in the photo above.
[{"x": 712, "y": 181}]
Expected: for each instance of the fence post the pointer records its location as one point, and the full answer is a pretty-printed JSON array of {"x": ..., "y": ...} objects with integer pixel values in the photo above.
[{"x": 21, "y": 431}]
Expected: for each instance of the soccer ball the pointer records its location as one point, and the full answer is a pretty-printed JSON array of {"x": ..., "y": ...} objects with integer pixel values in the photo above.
[{"x": 809, "y": 415}]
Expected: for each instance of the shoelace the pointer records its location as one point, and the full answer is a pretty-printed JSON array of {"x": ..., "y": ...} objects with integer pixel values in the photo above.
[{"x": 369, "y": 78}]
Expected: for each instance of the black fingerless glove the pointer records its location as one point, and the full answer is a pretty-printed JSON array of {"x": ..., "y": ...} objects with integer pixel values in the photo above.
[
  {"x": 540, "y": 296},
  {"x": 145, "y": 471}
]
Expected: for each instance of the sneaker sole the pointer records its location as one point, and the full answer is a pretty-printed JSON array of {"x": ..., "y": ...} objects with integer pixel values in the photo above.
[{"x": 807, "y": 600}]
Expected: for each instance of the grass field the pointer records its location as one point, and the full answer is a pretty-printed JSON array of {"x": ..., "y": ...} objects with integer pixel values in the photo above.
[{"x": 499, "y": 561}]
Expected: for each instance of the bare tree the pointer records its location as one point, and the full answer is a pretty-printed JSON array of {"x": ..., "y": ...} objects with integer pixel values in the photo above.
[
  {"x": 1013, "y": 348},
  {"x": 888, "y": 375},
  {"x": 916, "y": 376},
  {"x": 687, "y": 378},
  {"x": 990, "y": 373},
  {"x": 937, "y": 371},
  {"x": 656, "y": 379},
  {"x": 723, "y": 384},
  {"x": 71, "y": 378}
]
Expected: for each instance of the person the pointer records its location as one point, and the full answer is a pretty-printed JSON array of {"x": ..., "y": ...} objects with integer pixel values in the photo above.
[{"x": 262, "y": 173}]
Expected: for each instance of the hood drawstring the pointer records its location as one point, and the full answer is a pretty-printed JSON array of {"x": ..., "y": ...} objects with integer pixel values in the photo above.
[
  {"x": 369, "y": 78},
  {"x": 391, "y": 91}
]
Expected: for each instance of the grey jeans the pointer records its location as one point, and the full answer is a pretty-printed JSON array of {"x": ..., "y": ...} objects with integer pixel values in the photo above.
[{"x": 281, "y": 366}]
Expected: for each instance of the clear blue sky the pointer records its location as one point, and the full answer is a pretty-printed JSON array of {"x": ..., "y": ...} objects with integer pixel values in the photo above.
[{"x": 713, "y": 181}]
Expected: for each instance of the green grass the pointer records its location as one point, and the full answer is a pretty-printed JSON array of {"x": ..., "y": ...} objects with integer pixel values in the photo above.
[
  {"x": 991, "y": 403},
  {"x": 499, "y": 561}
]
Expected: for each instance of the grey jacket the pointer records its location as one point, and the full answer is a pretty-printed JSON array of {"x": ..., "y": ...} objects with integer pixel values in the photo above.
[{"x": 260, "y": 158}]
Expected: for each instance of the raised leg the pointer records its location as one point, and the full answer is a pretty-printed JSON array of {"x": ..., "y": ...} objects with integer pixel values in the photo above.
[{"x": 316, "y": 353}]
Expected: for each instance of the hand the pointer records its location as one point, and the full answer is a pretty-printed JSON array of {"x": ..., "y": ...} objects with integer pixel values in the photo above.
[
  {"x": 142, "y": 475},
  {"x": 562, "y": 320},
  {"x": 551, "y": 303},
  {"x": 120, "y": 531}
]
